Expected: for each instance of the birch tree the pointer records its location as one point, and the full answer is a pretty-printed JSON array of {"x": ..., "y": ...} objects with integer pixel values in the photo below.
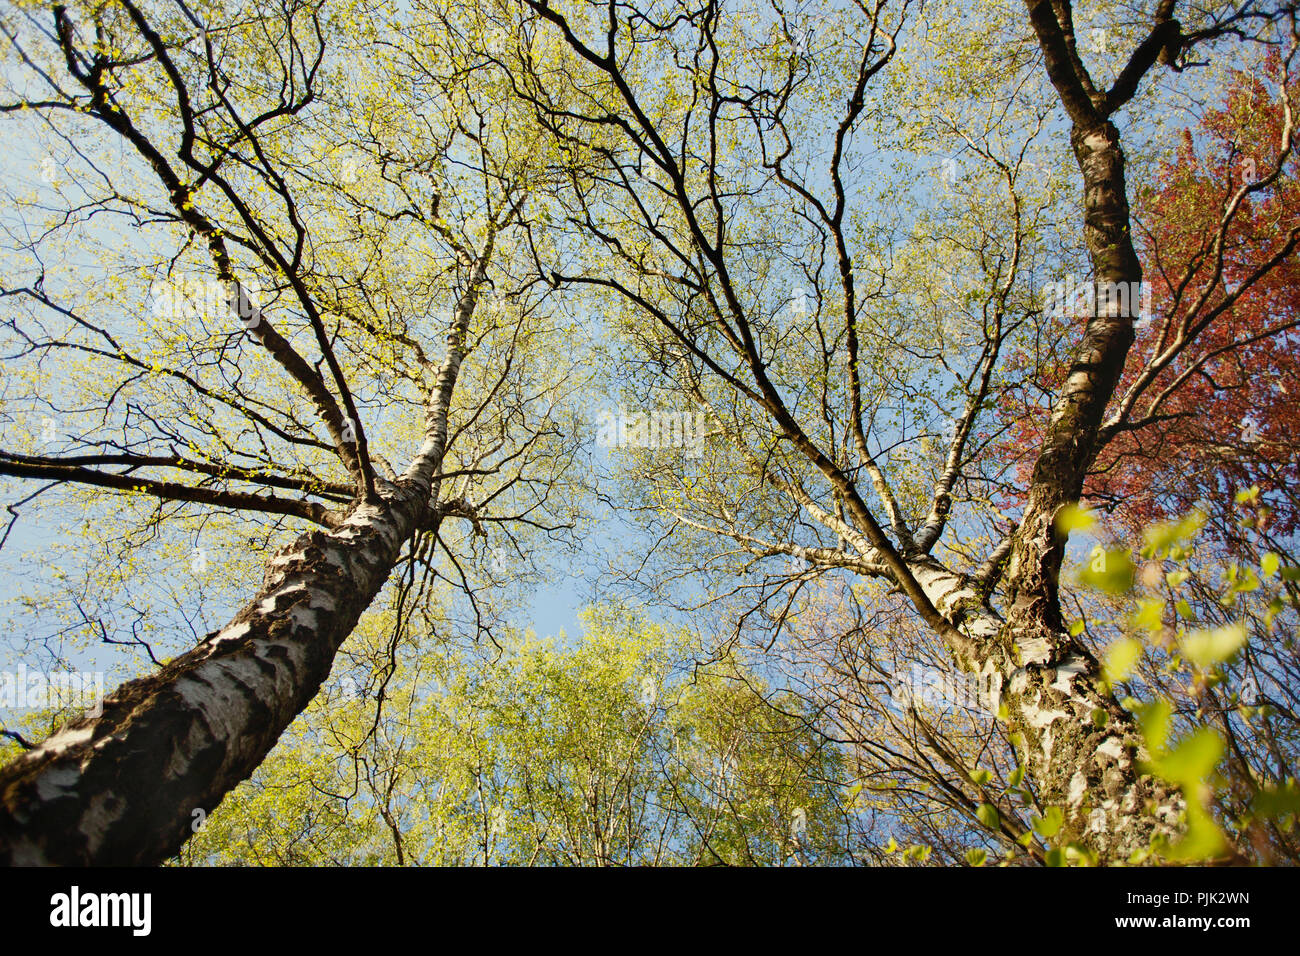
[
  {"x": 324, "y": 252},
  {"x": 735, "y": 180}
]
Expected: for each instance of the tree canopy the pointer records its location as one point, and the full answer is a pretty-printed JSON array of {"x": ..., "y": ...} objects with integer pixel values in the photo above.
[{"x": 907, "y": 389}]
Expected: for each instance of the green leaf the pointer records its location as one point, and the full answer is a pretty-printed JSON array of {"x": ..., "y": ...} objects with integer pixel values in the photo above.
[
  {"x": 981, "y": 776},
  {"x": 977, "y": 857},
  {"x": 1269, "y": 564},
  {"x": 1073, "y": 518},
  {"x": 1209, "y": 647},
  {"x": 1201, "y": 840},
  {"x": 1274, "y": 801},
  {"x": 1049, "y": 824},
  {"x": 1153, "y": 721},
  {"x": 1122, "y": 656},
  {"x": 1080, "y": 855},
  {"x": 1246, "y": 581},
  {"x": 918, "y": 853},
  {"x": 988, "y": 815},
  {"x": 1150, "y": 615},
  {"x": 1109, "y": 571},
  {"x": 1191, "y": 763},
  {"x": 1166, "y": 536}
]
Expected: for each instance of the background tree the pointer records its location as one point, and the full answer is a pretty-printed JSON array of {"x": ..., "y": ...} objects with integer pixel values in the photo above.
[{"x": 610, "y": 748}]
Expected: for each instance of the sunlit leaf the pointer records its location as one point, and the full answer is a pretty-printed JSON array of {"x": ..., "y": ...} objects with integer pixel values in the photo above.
[
  {"x": 1109, "y": 571},
  {"x": 1073, "y": 518},
  {"x": 1192, "y": 761},
  {"x": 1049, "y": 824},
  {"x": 987, "y": 814},
  {"x": 1121, "y": 658},
  {"x": 1153, "y": 721},
  {"x": 1150, "y": 614},
  {"x": 1269, "y": 563},
  {"x": 1161, "y": 538},
  {"x": 1215, "y": 646}
]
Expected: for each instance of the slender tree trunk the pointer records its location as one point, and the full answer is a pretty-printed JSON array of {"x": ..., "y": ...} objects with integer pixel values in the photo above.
[
  {"x": 1070, "y": 443},
  {"x": 1080, "y": 747}
]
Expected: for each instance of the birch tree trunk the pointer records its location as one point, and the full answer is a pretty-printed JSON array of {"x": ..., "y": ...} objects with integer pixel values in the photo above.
[
  {"x": 125, "y": 788},
  {"x": 1078, "y": 745},
  {"x": 1081, "y": 745}
]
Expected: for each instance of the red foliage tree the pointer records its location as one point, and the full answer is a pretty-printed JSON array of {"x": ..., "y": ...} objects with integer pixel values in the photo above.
[{"x": 1209, "y": 402}]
